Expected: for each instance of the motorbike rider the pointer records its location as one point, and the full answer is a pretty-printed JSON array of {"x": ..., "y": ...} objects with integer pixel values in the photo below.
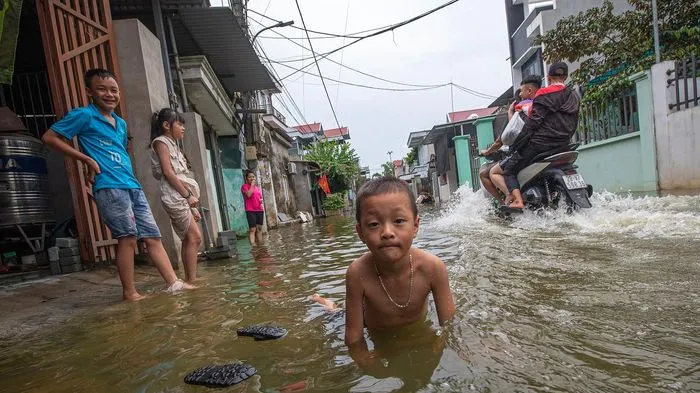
[
  {"x": 492, "y": 175},
  {"x": 550, "y": 126}
]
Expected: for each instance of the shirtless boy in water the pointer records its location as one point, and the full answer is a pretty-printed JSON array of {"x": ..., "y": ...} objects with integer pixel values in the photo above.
[{"x": 388, "y": 286}]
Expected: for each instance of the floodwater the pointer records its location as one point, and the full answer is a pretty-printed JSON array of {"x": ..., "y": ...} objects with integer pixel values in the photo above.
[{"x": 606, "y": 300}]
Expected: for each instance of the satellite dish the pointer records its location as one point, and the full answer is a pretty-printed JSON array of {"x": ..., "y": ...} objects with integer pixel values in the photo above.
[{"x": 473, "y": 116}]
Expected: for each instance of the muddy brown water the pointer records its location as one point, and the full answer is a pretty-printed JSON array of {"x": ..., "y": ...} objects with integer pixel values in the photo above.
[{"x": 607, "y": 300}]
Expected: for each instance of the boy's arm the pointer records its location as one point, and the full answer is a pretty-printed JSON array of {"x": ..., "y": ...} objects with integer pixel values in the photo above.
[
  {"x": 354, "y": 318},
  {"x": 442, "y": 294},
  {"x": 58, "y": 142}
]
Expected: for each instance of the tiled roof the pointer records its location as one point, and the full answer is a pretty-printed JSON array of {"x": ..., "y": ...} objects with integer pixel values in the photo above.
[
  {"x": 309, "y": 128},
  {"x": 337, "y": 132},
  {"x": 454, "y": 117}
]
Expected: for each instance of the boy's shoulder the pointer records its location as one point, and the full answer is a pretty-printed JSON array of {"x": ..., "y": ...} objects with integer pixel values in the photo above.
[
  {"x": 83, "y": 111},
  {"x": 426, "y": 261},
  {"x": 359, "y": 266}
]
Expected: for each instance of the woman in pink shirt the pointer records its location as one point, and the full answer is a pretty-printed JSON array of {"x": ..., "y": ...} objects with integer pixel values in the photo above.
[{"x": 253, "y": 201}]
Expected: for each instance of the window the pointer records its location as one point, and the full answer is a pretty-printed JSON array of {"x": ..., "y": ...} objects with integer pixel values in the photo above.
[{"x": 533, "y": 66}]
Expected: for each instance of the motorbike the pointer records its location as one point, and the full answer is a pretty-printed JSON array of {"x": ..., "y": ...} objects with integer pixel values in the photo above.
[{"x": 552, "y": 179}]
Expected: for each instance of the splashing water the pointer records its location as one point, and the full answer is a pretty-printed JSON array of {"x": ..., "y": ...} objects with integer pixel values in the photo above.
[{"x": 641, "y": 217}]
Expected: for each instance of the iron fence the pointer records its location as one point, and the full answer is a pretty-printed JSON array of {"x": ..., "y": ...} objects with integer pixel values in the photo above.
[
  {"x": 29, "y": 96},
  {"x": 600, "y": 121},
  {"x": 684, "y": 72}
]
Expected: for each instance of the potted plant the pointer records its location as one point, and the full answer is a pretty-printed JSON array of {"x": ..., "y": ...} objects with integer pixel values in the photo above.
[{"x": 334, "y": 204}]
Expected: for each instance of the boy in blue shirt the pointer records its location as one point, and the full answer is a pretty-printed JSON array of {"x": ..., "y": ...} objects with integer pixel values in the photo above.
[{"x": 121, "y": 202}]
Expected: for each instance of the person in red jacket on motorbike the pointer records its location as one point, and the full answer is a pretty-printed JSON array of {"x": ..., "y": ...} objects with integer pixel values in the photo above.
[{"x": 550, "y": 126}]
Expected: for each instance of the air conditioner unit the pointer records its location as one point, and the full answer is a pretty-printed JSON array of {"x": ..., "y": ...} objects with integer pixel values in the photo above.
[{"x": 292, "y": 169}]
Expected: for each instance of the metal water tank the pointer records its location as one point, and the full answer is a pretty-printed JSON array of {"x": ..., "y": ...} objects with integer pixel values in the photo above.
[{"x": 24, "y": 187}]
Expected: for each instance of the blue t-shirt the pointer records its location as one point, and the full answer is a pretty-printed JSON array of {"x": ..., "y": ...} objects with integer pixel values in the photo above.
[{"x": 103, "y": 142}]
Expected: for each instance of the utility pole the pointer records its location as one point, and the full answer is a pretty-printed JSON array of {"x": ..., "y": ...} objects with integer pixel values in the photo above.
[
  {"x": 655, "y": 22},
  {"x": 452, "y": 96},
  {"x": 393, "y": 168}
]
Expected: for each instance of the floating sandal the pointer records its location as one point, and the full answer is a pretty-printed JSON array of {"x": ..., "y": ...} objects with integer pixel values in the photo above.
[
  {"x": 221, "y": 376},
  {"x": 505, "y": 209},
  {"x": 261, "y": 332}
]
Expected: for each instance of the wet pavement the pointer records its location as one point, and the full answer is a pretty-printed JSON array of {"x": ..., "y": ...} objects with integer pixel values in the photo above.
[{"x": 607, "y": 300}]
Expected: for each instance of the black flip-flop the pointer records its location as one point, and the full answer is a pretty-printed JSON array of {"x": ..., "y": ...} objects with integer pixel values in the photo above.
[
  {"x": 505, "y": 209},
  {"x": 221, "y": 376},
  {"x": 263, "y": 332}
]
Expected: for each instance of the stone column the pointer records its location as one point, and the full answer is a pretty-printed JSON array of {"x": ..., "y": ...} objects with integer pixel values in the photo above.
[
  {"x": 196, "y": 151},
  {"x": 143, "y": 92}
]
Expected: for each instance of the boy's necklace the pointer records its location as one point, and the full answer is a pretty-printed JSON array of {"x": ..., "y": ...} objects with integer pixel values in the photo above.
[{"x": 410, "y": 287}]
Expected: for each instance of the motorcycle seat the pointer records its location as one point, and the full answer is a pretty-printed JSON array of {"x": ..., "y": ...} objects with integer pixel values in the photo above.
[{"x": 547, "y": 154}]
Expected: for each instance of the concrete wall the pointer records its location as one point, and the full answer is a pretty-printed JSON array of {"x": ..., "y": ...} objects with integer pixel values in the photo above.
[
  {"x": 301, "y": 188},
  {"x": 195, "y": 148},
  {"x": 284, "y": 193},
  {"x": 613, "y": 164},
  {"x": 677, "y": 135},
  {"x": 264, "y": 176},
  {"x": 143, "y": 92}
]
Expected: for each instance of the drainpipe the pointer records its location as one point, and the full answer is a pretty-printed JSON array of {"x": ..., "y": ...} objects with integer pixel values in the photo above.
[
  {"x": 160, "y": 32},
  {"x": 183, "y": 93}
]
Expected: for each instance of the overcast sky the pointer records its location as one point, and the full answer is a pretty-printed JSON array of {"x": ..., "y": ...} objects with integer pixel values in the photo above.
[{"x": 465, "y": 42}]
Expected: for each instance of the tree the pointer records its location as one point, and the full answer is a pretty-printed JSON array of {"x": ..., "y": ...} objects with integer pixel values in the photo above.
[
  {"x": 338, "y": 161},
  {"x": 412, "y": 156},
  {"x": 388, "y": 169},
  {"x": 615, "y": 46}
]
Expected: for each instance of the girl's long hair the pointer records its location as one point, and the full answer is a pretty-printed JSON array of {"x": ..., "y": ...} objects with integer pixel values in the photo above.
[{"x": 170, "y": 116}]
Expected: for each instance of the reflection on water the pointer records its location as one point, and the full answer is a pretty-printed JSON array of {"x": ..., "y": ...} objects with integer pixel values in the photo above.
[{"x": 603, "y": 301}]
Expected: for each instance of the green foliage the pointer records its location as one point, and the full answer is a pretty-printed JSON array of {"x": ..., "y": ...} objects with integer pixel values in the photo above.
[
  {"x": 334, "y": 202},
  {"x": 338, "y": 161},
  {"x": 412, "y": 156},
  {"x": 376, "y": 175},
  {"x": 619, "y": 45},
  {"x": 388, "y": 169}
]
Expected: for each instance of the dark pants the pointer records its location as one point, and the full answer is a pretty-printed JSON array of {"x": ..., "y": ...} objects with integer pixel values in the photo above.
[{"x": 517, "y": 162}]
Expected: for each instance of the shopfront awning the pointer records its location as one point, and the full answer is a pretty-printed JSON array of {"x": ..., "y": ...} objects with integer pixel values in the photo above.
[{"x": 215, "y": 33}]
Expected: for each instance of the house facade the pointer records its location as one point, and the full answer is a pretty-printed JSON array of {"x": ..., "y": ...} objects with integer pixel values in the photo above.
[
  {"x": 528, "y": 19},
  {"x": 182, "y": 54}
]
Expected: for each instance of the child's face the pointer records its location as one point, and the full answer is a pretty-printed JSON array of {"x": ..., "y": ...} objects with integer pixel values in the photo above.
[
  {"x": 177, "y": 129},
  {"x": 104, "y": 93},
  {"x": 388, "y": 226}
]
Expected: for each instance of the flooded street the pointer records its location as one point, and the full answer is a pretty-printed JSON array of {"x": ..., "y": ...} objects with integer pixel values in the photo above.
[{"x": 607, "y": 300}]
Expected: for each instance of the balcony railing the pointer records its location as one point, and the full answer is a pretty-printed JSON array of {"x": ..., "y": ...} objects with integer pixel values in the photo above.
[
  {"x": 271, "y": 110},
  {"x": 520, "y": 40}
]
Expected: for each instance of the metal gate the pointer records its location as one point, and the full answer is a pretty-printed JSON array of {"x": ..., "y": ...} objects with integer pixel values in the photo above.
[
  {"x": 475, "y": 163},
  {"x": 77, "y": 35}
]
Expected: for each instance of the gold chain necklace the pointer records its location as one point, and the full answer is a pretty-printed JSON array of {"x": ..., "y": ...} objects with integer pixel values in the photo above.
[{"x": 410, "y": 288}]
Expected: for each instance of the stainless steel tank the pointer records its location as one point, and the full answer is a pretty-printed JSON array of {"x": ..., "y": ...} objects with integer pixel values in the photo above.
[{"x": 24, "y": 187}]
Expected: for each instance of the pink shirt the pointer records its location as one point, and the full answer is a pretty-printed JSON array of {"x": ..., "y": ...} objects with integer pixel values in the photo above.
[{"x": 254, "y": 202}]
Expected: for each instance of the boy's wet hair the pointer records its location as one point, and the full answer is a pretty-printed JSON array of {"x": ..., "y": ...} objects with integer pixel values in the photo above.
[
  {"x": 532, "y": 80},
  {"x": 98, "y": 72},
  {"x": 383, "y": 185}
]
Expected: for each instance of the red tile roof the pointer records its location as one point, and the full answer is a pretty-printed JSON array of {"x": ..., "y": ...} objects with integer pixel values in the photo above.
[
  {"x": 454, "y": 117},
  {"x": 309, "y": 128},
  {"x": 336, "y": 132}
]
